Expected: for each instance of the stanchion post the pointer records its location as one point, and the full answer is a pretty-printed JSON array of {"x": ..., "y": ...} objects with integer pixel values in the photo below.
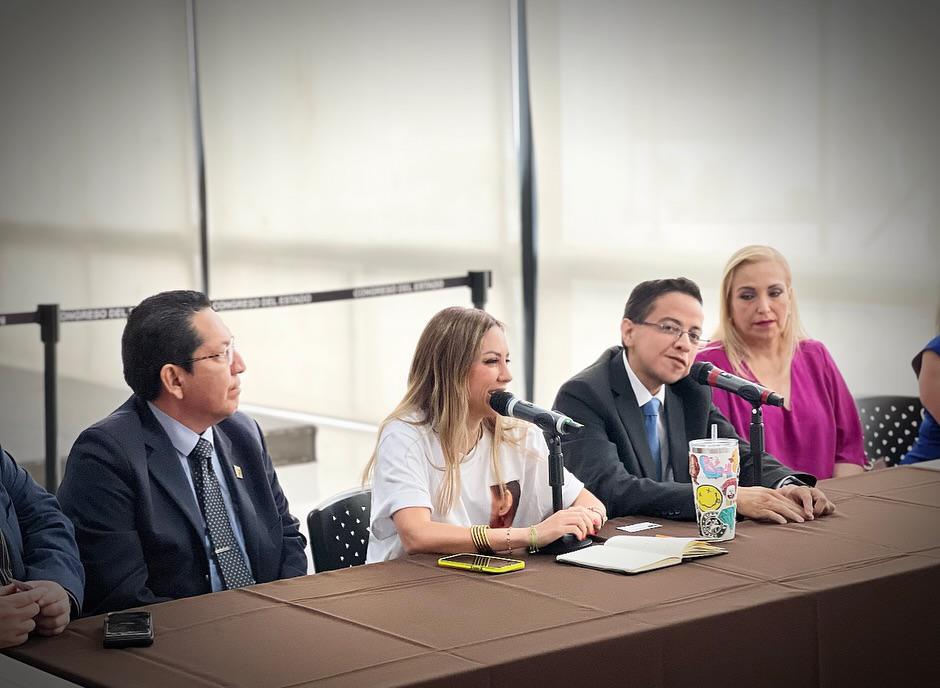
[
  {"x": 49, "y": 333},
  {"x": 480, "y": 282}
]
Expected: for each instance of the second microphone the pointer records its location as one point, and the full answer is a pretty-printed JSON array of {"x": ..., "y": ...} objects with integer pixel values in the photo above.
[{"x": 506, "y": 404}]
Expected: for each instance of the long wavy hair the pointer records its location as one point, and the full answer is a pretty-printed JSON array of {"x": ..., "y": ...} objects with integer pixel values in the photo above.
[
  {"x": 726, "y": 334},
  {"x": 438, "y": 394}
]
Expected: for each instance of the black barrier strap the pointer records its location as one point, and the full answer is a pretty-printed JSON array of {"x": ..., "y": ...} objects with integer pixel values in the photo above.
[
  {"x": 86, "y": 314},
  {"x": 477, "y": 281},
  {"x": 19, "y": 318},
  {"x": 340, "y": 294}
]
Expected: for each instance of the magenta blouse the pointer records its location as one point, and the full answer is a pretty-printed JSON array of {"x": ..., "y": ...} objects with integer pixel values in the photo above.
[{"x": 821, "y": 427}]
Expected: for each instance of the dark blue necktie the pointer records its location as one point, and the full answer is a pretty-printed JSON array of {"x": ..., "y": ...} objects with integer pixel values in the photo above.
[
  {"x": 222, "y": 543},
  {"x": 651, "y": 425}
]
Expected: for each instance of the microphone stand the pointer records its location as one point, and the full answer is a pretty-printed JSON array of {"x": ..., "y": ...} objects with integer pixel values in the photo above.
[
  {"x": 757, "y": 440},
  {"x": 556, "y": 478}
]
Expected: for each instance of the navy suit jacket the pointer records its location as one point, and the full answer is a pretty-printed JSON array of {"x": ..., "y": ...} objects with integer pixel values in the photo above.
[
  {"x": 611, "y": 455},
  {"x": 40, "y": 539},
  {"x": 137, "y": 522}
]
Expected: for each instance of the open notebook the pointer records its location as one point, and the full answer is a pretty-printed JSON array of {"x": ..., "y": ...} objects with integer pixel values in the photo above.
[{"x": 636, "y": 553}]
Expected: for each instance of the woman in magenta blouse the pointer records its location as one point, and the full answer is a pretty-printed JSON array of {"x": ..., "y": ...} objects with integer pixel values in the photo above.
[{"x": 760, "y": 337}]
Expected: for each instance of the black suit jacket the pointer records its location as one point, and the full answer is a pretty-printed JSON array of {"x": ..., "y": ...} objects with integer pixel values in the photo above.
[
  {"x": 138, "y": 526},
  {"x": 612, "y": 457}
]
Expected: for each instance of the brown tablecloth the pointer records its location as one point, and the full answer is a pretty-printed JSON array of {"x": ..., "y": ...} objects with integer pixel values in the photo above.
[{"x": 851, "y": 599}]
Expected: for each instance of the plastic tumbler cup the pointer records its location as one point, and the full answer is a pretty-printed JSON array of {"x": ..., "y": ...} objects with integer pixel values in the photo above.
[{"x": 714, "y": 465}]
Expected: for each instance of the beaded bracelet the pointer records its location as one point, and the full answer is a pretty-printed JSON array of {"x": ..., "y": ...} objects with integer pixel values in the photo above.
[
  {"x": 533, "y": 544},
  {"x": 508, "y": 543},
  {"x": 599, "y": 513}
]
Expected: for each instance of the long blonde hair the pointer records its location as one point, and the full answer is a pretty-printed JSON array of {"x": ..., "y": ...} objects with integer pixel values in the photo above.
[
  {"x": 727, "y": 334},
  {"x": 438, "y": 394}
]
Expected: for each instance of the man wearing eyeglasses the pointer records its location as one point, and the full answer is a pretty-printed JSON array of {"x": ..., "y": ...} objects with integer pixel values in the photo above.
[
  {"x": 640, "y": 410},
  {"x": 174, "y": 493}
]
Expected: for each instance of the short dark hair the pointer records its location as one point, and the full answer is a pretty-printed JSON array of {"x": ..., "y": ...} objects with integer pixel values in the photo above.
[
  {"x": 644, "y": 295},
  {"x": 160, "y": 330}
]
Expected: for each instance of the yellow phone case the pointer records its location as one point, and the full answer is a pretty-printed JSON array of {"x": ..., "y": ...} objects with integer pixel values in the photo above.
[{"x": 481, "y": 563}]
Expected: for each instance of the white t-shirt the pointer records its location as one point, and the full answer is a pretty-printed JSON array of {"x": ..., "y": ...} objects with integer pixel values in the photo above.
[{"x": 409, "y": 470}]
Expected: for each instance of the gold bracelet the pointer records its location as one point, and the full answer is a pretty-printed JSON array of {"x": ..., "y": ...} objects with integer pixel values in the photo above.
[
  {"x": 475, "y": 536},
  {"x": 480, "y": 541},
  {"x": 485, "y": 541},
  {"x": 533, "y": 544}
]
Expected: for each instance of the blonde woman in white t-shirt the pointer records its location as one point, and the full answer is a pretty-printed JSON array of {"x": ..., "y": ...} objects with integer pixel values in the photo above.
[{"x": 450, "y": 475}]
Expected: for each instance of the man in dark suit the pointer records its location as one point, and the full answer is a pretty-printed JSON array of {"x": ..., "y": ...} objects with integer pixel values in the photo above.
[
  {"x": 41, "y": 577},
  {"x": 636, "y": 401},
  {"x": 174, "y": 493}
]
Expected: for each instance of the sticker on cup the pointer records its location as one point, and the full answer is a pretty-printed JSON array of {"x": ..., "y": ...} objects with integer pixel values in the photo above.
[{"x": 713, "y": 467}]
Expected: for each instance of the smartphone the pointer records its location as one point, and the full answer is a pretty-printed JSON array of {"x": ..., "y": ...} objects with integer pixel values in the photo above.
[
  {"x": 481, "y": 563},
  {"x": 128, "y": 629}
]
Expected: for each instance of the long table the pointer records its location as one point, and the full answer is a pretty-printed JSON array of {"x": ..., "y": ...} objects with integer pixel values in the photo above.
[{"x": 850, "y": 599}]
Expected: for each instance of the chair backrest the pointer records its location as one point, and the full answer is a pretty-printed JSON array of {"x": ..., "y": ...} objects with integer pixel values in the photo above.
[
  {"x": 891, "y": 425},
  {"x": 339, "y": 530}
]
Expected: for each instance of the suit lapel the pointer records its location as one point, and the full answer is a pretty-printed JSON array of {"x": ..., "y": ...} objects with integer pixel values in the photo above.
[
  {"x": 631, "y": 416},
  {"x": 675, "y": 436},
  {"x": 163, "y": 463},
  {"x": 241, "y": 500}
]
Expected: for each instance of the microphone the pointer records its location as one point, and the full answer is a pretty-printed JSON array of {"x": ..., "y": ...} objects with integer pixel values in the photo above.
[
  {"x": 505, "y": 404},
  {"x": 708, "y": 374}
]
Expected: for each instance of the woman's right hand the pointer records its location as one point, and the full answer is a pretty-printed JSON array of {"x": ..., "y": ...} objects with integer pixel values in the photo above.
[{"x": 577, "y": 520}]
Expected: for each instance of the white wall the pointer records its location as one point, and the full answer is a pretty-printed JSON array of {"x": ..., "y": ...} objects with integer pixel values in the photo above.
[
  {"x": 346, "y": 144},
  {"x": 356, "y": 143},
  {"x": 670, "y": 134}
]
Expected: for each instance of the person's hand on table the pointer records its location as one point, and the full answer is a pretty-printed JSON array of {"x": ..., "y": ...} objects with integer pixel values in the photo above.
[
  {"x": 579, "y": 521},
  {"x": 813, "y": 501},
  {"x": 17, "y": 611},
  {"x": 772, "y": 506},
  {"x": 55, "y": 607}
]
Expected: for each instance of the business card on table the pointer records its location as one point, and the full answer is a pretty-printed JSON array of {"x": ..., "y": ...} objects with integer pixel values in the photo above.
[{"x": 637, "y": 527}]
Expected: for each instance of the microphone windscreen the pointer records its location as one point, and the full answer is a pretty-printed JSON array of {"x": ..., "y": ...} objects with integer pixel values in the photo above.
[
  {"x": 700, "y": 371},
  {"x": 499, "y": 402}
]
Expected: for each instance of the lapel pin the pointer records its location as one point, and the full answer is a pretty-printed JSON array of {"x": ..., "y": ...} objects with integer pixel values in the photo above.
[{"x": 238, "y": 472}]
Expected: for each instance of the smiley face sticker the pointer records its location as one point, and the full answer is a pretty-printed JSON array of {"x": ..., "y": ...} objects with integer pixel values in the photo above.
[{"x": 708, "y": 497}]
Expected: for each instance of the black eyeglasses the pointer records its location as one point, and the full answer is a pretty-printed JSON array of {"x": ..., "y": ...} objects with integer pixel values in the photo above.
[
  {"x": 695, "y": 339},
  {"x": 228, "y": 354}
]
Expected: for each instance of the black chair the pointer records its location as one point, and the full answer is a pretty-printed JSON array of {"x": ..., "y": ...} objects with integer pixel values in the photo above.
[
  {"x": 891, "y": 425},
  {"x": 339, "y": 530}
]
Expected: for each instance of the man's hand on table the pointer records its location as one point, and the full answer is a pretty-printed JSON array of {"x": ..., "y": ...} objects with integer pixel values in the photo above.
[
  {"x": 787, "y": 504},
  {"x": 55, "y": 607}
]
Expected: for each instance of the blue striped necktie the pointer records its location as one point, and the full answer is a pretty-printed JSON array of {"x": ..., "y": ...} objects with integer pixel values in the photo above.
[{"x": 651, "y": 425}]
